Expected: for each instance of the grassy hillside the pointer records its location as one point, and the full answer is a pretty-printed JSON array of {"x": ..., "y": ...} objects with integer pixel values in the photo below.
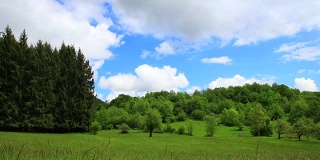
[{"x": 227, "y": 143}]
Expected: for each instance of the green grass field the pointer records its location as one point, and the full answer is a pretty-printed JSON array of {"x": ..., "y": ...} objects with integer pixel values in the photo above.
[{"x": 227, "y": 143}]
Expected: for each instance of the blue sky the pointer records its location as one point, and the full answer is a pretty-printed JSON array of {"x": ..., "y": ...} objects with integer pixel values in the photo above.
[{"x": 139, "y": 46}]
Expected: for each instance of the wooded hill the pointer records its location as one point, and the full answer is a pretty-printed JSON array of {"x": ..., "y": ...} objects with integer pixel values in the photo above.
[
  {"x": 43, "y": 89},
  {"x": 250, "y": 105}
]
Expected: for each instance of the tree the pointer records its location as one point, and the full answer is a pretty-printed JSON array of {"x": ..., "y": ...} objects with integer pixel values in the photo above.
[
  {"x": 229, "y": 117},
  {"x": 153, "y": 120},
  {"x": 190, "y": 126},
  {"x": 281, "y": 127},
  {"x": 116, "y": 116},
  {"x": 304, "y": 126},
  {"x": 102, "y": 117},
  {"x": 95, "y": 127},
  {"x": 135, "y": 121},
  {"x": 317, "y": 131},
  {"x": 259, "y": 121},
  {"x": 210, "y": 125},
  {"x": 298, "y": 110}
]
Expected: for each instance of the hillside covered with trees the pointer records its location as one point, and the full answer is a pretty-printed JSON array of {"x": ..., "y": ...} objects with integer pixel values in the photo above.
[
  {"x": 43, "y": 89},
  {"x": 265, "y": 109}
]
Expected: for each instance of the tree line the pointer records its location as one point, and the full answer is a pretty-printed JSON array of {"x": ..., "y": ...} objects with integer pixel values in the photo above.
[
  {"x": 264, "y": 108},
  {"x": 43, "y": 89}
]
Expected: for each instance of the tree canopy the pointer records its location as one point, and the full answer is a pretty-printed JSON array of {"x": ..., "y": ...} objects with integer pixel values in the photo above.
[{"x": 44, "y": 89}]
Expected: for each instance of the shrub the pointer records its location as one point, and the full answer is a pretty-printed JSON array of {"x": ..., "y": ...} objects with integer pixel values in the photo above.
[
  {"x": 169, "y": 129},
  {"x": 124, "y": 128},
  {"x": 181, "y": 130},
  {"x": 181, "y": 116},
  {"x": 198, "y": 114},
  {"x": 190, "y": 127},
  {"x": 95, "y": 127}
]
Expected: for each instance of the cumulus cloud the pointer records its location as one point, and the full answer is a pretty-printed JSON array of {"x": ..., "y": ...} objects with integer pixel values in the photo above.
[
  {"x": 237, "y": 80},
  {"x": 67, "y": 21},
  {"x": 243, "y": 23},
  {"x": 301, "y": 51},
  {"x": 192, "y": 89},
  {"x": 165, "y": 48},
  {"x": 305, "y": 84},
  {"x": 146, "y": 79},
  {"x": 219, "y": 60}
]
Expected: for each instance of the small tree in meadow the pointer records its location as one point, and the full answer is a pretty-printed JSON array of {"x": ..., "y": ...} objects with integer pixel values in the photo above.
[
  {"x": 304, "y": 126},
  {"x": 95, "y": 127},
  {"x": 124, "y": 128},
  {"x": 211, "y": 125},
  {"x": 153, "y": 120},
  {"x": 281, "y": 127},
  {"x": 190, "y": 126}
]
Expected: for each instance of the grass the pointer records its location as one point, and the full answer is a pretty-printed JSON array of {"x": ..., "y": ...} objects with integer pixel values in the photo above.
[{"x": 227, "y": 143}]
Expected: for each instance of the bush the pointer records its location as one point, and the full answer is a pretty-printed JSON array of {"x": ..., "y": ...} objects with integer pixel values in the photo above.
[
  {"x": 181, "y": 116},
  {"x": 124, "y": 128},
  {"x": 198, "y": 114},
  {"x": 181, "y": 130},
  {"x": 169, "y": 129},
  {"x": 95, "y": 127},
  {"x": 190, "y": 127},
  {"x": 317, "y": 131}
]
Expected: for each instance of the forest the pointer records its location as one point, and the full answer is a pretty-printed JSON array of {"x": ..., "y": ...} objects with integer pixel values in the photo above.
[
  {"x": 43, "y": 89},
  {"x": 46, "y": 89},
  {"x": 265, "y": 109}
]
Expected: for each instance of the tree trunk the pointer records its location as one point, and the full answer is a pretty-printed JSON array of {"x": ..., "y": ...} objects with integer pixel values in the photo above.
[
  {"x": 299, "y": 136},
  {"x": 279, "y": 135},
  {"x": 150, "y": 133}
]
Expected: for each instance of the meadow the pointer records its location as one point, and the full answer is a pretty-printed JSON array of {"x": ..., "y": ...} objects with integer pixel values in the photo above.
[{"x": 227, "y": 143}]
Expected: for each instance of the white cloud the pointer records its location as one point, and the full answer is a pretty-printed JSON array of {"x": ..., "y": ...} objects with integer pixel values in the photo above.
[
  {"x": 192, "y": 89},
  {"x": 237, "y": 80},
  {"x": 220, "y": 60},
  {"x": 145, "y": 54},
  {"x": 247, "y": 22},
  {"x": 309, "y": 71},
  {"x": 96, "y": 64},
  {"x": 291, "y": 47},
  {"x": 165, "y": 48},
  {"x": 304, "y": 84},
  {"x": 146, "y": 79},
  {"x": 302, "y": 51},
  {"x": 52, "y": 22}
]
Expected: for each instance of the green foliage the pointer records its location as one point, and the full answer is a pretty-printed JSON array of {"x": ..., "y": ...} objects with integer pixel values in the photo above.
[
  {"x": 211, "y": 125},
  {"x": 198, "y": 114},
  {"x": 181, "y": 130},
  {"x": 282, "y": 127},
  {"x": 168, "y": 128},
  {"x": 124, "y": 128},
  {"x": 95, "y": 127},
  {"x": 230, "y": 117},
  {"x": 259, "y": 121},
  {"x": 44, "y": 89},
  {"x": 316, "y": 132},
  {"x": 181, "y": 115},
  {"x": 102, "y": 117},
  {"x": 116, "y": 116},
  {"x": 304, "y": 126},
  {"x": 153, "y": 120},
  {"x": 190, "y": 128},
  {"x": 298, "y": 110},
  {"x": 136, "y": 121}
]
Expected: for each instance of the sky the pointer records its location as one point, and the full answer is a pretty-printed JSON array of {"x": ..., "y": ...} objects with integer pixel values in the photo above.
[{"x": 138, "y": 46}]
